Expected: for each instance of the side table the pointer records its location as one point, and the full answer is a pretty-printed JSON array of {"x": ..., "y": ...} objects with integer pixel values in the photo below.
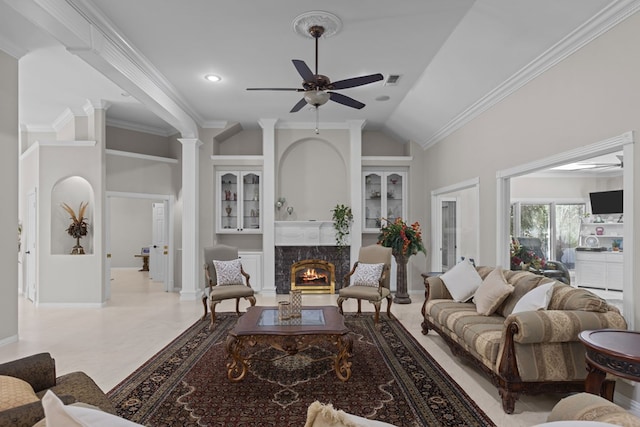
[{"x": 612, "y": 351}]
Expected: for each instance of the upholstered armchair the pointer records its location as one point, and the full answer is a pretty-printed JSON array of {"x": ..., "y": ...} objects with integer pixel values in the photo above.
[
  {"x": 233, "y": 285},
  {"x": 361, "y": 284}
]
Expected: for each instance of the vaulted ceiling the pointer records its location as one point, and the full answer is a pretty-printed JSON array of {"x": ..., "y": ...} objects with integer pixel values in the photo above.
[{"x": 148, "y": 59}]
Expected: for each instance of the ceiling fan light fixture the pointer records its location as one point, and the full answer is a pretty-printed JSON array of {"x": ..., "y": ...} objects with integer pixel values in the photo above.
[{"x": 316, "y": 97}]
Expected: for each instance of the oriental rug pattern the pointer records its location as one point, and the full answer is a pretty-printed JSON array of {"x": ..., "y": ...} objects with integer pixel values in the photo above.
[{"x": 393, "y": 380}]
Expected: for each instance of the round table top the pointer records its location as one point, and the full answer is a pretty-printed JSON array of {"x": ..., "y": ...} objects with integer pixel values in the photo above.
[{"x": 618, "y": 342}]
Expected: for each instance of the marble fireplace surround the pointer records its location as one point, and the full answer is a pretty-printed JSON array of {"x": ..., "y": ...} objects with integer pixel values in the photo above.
[{"x": 301, "y": 240}]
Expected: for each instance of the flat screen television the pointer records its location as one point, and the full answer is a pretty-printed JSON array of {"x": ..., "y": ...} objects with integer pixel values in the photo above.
[{"x": 606, "y": 202}]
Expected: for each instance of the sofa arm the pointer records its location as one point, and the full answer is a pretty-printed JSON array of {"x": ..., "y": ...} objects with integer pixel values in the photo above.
[
  {"x": 560, "y": 325},
  {"x": 435, "y": 289},
  {"x": 39, "y": 370},
  {"x": 27, "y": 415}
]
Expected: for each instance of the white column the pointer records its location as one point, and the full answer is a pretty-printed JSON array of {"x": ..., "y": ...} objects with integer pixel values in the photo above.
[
  {"x": 190, "y": 218},
  {"x": 355, "y": 183},
  {"x": 269, "y": 190}
]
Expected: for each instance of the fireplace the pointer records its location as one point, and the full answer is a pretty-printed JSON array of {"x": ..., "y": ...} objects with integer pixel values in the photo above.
[{"x": 313, "y": 276}]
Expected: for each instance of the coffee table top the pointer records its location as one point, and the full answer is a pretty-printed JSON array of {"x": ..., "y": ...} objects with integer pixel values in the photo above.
[{"x": 319, "y": 320}]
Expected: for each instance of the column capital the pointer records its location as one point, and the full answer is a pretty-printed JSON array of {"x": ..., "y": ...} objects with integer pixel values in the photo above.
[
  {"x": 268, "y": 123},
  {"x": 193, "y": 141}
]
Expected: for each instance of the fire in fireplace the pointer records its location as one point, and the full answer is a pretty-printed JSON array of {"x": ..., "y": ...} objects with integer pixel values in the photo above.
[{"x": 313, "y": 276}]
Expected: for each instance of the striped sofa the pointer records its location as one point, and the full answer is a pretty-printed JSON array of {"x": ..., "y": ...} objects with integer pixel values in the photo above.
[{"x": 530, "y": 352}]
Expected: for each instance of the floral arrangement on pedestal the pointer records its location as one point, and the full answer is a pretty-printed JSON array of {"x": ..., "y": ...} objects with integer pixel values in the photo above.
[
  {"x": 78, "y": 227},
  {"x": 404, "y": 241},
  {"x": 523, "y": 258}
]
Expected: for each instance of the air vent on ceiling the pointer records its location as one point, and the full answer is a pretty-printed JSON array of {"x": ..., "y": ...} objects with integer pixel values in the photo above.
[{"x": 392, "y": 80}]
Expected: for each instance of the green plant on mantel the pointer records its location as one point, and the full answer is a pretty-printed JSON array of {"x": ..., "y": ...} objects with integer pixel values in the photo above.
[{"x": 342, "y": 218}]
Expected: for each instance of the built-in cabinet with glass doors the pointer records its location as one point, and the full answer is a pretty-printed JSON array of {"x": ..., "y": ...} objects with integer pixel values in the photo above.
[
  {"x": 385, "y": 198},
  {"x": 238, "y": 202}
]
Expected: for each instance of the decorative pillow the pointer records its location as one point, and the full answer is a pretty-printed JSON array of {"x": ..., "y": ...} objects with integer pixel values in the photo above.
[
  {"x": 462, "y": 281},
  {"x": 15, "y": 392},
  {"x": 536, "y": 299},
  {"x": 59, "y": 415},
  {"x": 493, "y": 290},
  {"x": 367, "y": 275},
  {"x": 228, "y": 272}
]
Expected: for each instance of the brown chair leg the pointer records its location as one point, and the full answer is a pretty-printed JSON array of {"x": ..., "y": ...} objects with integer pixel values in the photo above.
[
  {"x": 389, "y": 300},
  {"x": 376, "y": 305},
  {"x": 340, "y": 301},
  {"x": 252, "y": 300},
  {"x": 204, "y": 303},
  {"x": 213, "y": 314},
  {"x": 359, "y": 307},
  {"x": 238, "y": 306}
]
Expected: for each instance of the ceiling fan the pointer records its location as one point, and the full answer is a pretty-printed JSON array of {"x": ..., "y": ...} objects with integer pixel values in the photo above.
[
  {"x": 318, "y": 88},
  {"x": 592, "y": 166}
]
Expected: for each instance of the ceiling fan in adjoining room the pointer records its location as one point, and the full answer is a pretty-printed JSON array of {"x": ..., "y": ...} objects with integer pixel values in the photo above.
[
  {"x": 603, "y": 165},
  {"x": 318, "y": 88}
]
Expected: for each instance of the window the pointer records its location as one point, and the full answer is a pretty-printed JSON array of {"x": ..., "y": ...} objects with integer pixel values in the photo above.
[{"x": 556, "y": 225}]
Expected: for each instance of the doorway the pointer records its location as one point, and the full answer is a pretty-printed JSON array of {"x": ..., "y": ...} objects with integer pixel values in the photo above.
[
  {"x": 455, "y": 215},
  {"x": 622, "y": 142},
  {"x": 135, "y": 223}
]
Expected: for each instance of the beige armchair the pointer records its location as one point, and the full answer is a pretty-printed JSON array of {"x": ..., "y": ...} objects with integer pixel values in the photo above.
[
  {"x": 372, "y": 254},
  {"x": 216, "y": 293}
]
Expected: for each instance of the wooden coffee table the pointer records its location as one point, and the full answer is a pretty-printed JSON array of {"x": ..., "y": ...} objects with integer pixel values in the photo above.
[
  {"x": 260, "y": 325},
  {"x": 610, "y": 351}
]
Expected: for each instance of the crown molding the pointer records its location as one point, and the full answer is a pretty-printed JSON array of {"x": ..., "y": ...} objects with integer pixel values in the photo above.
[
  {"x": 95, "y": 104},
  {"x": 608, "y": 18},
  {"x": 214, "y": 124},
  {"x": 63, "y": 119},
  {"x": 136, "y": 127},
  {"x": 141, "y": 156},
  {"x": 11, "y": 48}
]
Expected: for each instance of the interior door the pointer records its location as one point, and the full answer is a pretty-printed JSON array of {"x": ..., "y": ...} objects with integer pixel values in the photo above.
[
  {"x": 30, "y": 249},
  {"x": 159, "y": 247},
  {"x": 449, "y": 235}
]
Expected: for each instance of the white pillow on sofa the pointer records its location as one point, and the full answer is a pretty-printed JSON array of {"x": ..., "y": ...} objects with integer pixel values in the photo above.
[
  {"x": 536, "y": 299},
  {"x": 462, "y": 281},
  {"x": 57, "y": 414}
]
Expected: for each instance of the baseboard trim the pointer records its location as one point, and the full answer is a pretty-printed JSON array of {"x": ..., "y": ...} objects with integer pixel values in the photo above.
[
  {"x": 9, "y": 340},
  {"x": 72, "y": 304}
]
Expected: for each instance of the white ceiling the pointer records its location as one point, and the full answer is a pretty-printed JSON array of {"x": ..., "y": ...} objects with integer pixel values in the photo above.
[{"x": 455, "y": 58}]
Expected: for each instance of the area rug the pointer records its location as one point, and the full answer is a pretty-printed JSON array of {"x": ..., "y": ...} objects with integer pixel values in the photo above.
[{"x": 393, "y": 380}]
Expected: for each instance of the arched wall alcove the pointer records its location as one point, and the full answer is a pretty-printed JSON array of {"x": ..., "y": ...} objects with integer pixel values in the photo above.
[
  {"x": 73, "y": 191},
  {"x": 312, "y": 176}
]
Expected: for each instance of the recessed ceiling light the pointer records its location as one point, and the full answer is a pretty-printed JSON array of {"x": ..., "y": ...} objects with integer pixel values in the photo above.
[
  {"x": 212, "y": 78},
  {"x": 383, "y": 98}
]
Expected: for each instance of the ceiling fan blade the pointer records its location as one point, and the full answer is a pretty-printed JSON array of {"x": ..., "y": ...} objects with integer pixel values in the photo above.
[
  {"x": 298, "y": 106},
  {"x": 345, "y": 100},
  {"x": 356, "y": 81},
  {"x": 277, "y": 88},
  {"x": 304, "y": 71}
]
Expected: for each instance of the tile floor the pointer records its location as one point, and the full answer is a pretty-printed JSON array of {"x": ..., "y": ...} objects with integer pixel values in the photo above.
[{"x": 111, "y": 342}]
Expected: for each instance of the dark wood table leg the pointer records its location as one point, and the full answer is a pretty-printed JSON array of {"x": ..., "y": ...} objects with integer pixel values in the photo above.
[
  {"x": 595, "y": 379},
  {"x": 237, "y": 368},
  {"x": 342, "y": 363}
]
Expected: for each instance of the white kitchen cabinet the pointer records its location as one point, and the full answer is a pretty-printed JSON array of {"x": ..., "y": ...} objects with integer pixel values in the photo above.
[
  {"x": 601, "y": 270},
  {"x": 238, "y": 195}
]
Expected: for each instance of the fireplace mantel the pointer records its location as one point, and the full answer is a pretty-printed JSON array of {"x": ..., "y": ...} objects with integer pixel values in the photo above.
[{"x": 305, "y": 233}]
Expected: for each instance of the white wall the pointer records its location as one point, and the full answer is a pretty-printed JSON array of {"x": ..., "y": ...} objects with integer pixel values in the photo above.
[
  {"x": 589, "y": 97},
  {"x": 9, "y": 205},
  {"x": 131, "y": 229},
  {"x": 532, "y": 187},
  {"x": 312, "y": 172}
]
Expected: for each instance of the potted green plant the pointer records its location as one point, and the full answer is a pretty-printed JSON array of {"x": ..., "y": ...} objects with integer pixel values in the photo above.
[
  {"x": 342, "y": 219},
  {"x": 78, "y": 227}
]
